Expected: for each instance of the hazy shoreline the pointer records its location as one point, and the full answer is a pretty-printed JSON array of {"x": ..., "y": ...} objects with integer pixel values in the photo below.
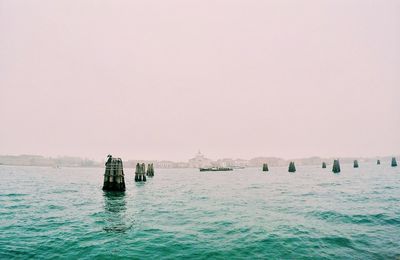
[{"x": 73, "y": 161}]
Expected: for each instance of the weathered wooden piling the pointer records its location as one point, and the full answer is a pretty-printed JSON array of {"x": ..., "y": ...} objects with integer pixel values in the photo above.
[
  {"x": 144, "y": 172},
  {"x": 323, "y": 165},
  {"x": 265, "y": 167},
  {"x": 336, "y": 166},
  {"x": 150, "y": 170},
  {"x": 355, "y": 164},
  {"x": 114, "y": 175},
  {"x": 378, "y": 162},
  {"x": 292, "y": 167},
  {"x": 140, "y": 172},
  {"x": 394, "y": 162}
]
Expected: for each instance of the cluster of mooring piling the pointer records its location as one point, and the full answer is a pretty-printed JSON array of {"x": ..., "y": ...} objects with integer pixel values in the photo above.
[
  {"x": 336, "y": 166},
  {"x": 265, "y": 167},
  {"x": 394, "y": 162},
  {"x": 355, "y": 164},
  {"x": 150, "y": 170},
  {"x": 323, "y": 165},
  {"x": 114, "y": 179},
  {"x": 292, "y": 167},
  {"x": 140, "y": 172},
  {"x": 378, "y": 162},
  {"x": 114, "y": 175}
]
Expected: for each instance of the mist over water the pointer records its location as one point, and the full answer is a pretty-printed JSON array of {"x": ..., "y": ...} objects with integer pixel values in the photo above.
[
  {"x": 158, "y": 80},
  {"x": 313, "y": 213}
]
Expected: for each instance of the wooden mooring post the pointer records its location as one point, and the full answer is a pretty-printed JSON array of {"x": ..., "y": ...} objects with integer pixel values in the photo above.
[
  {"x": 140, "y": 172},
  {"x": 265, "y": 167},
  {"x": 355, "y": 164},
  {"x": 336, "y": 166},
  {"x": 114, "y": 175},
  {"x": 394, "y": 162},
  {"x": 150, "y": 170},
  {"x": 292, "y": 167},
  {"x": 323, "y": 165}
]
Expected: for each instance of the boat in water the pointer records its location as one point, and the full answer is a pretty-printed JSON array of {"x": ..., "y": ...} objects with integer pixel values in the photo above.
[{"x": 216, "y": 169}]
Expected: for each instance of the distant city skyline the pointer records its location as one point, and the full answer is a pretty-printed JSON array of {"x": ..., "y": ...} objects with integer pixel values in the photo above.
[
  {"x": 162, "y": 79},
  {"x": 198, "y": 161}
]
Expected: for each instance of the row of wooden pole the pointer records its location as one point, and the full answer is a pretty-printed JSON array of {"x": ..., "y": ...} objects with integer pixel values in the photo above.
[
  {"x": 141, "y": 173},
  {"x": 114, "y": 179},
  {"x": 335, "y": 167}
]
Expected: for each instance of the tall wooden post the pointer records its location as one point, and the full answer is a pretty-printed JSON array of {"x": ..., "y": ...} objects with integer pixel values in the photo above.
[
  {"x": 140, "y": 172},
  {"x": 150, "y": 170},
  {"x": 143, "y": 172},
  {"x": 114, "y": 175}
]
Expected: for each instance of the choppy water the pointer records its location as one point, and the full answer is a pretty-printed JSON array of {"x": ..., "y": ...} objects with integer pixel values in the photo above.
[{"x": 63, "y": 213}]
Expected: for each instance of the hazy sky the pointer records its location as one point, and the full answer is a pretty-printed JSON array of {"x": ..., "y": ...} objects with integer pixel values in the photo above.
[{"x": 162, "y": 79}]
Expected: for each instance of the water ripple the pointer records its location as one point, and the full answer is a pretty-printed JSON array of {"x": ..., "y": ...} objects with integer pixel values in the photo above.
[{"x": 183, "y": 214}]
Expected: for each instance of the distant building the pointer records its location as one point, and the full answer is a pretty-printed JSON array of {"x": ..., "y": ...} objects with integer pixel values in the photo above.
[
  {"x": 226, "y": 162},
  {"x": 181, "y": 165},
  {"x": 199, "y": 161},
  {"x": 272, "y": 161},
  {"x": 164, "y": 164}
]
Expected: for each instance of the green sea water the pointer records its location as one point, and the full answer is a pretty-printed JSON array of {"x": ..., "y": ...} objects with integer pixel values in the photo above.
[{"x": 48, "y": 213}]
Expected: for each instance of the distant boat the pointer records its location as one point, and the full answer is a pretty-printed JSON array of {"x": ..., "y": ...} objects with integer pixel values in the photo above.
[{"x": 216, "y": 169}]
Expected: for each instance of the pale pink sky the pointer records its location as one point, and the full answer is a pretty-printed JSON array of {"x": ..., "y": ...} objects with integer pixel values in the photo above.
[{"x": 162, "y": 79}]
